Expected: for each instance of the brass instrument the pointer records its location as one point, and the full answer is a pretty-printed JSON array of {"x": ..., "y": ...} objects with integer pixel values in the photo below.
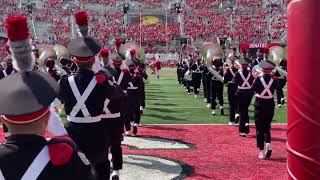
[
  {"x": 125, "y": 49},
  {"x": 256, "y": 71},
  {"x": 210, "y": 52},
  {"x": 61, "y": 52},
  {"x": 276, "y": 54},
  {"x": 47, "y": 55}
]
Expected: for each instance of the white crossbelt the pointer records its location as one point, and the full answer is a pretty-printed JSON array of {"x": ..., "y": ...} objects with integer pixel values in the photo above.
[
  {"x": 245, "y": 84},
  {"x": 131, "y": 86},
  {"x": 81, "y": 99},
  {"x": 108, "y": 114},
  {"x": 5, "y": 73},
  {"x": 120, "y": 78},
  {"x": 36, "y": 167},
  {"x": 266, "y": 93},
  {"x": 233, "y": 74},
  {"x": 198, "y": 69}
]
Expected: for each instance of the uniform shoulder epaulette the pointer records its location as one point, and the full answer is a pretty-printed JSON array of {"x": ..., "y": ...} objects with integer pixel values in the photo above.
[
  {"x": 101, "y": 77},
  {"x": 61, "y": 150}
]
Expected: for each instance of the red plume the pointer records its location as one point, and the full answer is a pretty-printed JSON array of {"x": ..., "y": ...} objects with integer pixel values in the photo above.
[
  {"x": 82, "y": 18},
  {"x": 104, "y": 53},
  {"x": 118, "y": 42},
  {"x": 132, "y": 52},
  {"x": 17, "y": 28}
]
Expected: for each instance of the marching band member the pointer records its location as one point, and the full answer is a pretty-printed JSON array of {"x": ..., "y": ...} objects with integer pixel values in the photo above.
[
  {"x": 282, "y": 82},
  {"x": 264, "y": 87},
  {"x": 197, "y": 69},
  {"x": 179, "y": 67},
  {"x": 27, "y": 154},
  {"x": 143, "y": 77},
  {"x": 229, "y": 74},
  {"x": 113, "y": 122},
  {"x": 206, "y": 76},
  {"x": 189, "y": 82},
  {"x": 217, "y": 87},
  {"x": 133, "y": 98},
  {"x": 84, "y": 95},
  {"x": 8, "y": 67},
  {"x": 244, "y": 79},
  {"x": 258, "y": 59}
]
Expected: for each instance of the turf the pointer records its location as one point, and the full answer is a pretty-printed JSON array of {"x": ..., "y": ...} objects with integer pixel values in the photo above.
[{"x": 168, "y": 103}]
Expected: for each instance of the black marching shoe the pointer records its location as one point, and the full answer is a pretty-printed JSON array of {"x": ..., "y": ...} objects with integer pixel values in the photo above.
[
  {"x": 269, "y": 150},
  {"x": 221, "y": 111},
  {"x": 135, "y": 130},
  {"x": 115, "y": 177},
  {"x": 247, "y": 130}
]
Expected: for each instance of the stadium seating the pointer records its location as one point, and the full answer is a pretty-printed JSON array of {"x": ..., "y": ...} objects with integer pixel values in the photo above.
[{"x": 248, "y": 21}]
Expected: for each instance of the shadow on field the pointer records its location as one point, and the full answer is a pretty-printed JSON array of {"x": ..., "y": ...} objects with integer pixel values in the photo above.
[
  {"x": 274, "y": 139},
  {"x": 165, "y": 117},
  {"x": 278, "y": 129},
  {"x": 162, "y": 110},
  {"x": 164, "y": 104},
  {"x": 281, "y": 160},
  {"x": 154, "y": 165}
]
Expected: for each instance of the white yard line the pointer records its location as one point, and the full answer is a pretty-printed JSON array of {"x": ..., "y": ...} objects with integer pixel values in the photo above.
[{"x": 202, "y": 124}]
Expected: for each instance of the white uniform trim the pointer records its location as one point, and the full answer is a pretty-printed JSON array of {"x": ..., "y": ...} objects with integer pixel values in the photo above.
[
  {"x": 108, "y": 114},
  {"x": 245, "y": 84},
  {"x": 198, "y": 69},
  {"x": 84, "y": 119},
  {"x": 36, "y": 167},
  {"x": 5, "y": 73},
  {"x": 266, "y": 93},
  {"x": 120, "y": 78},
  {"x": 131, "y": 86},
  {"x": 233, "y": 74},
  {"x": 81, "y": 98}
]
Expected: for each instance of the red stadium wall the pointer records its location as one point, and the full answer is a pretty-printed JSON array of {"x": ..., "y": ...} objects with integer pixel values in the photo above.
[{"x": 303, "y": 90}]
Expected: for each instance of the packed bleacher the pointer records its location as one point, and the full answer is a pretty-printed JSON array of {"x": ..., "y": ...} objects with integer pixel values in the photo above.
[{"x": 248, "y": 21}]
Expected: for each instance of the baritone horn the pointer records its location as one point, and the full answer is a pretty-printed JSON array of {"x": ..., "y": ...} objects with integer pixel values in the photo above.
[
  {"x": 210, "y": 52},
  {"x": 276, "y": 54}
]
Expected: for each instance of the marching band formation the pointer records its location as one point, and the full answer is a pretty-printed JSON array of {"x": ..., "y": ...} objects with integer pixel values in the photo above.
[
  {"x": 245, "y": 76},
  {"x": 101, "y": 93},
  {"x": 103, "y": 96}
]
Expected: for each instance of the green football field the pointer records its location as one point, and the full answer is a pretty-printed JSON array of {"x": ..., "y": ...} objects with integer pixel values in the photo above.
[{"x": 168, "y": 103}]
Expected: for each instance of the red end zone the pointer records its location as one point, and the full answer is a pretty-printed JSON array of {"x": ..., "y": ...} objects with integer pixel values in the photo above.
[{"x": 216, "y": 152}]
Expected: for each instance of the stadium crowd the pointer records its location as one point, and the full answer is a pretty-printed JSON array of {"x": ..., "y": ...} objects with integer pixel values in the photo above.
[{"x": 246, "y": 22}]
